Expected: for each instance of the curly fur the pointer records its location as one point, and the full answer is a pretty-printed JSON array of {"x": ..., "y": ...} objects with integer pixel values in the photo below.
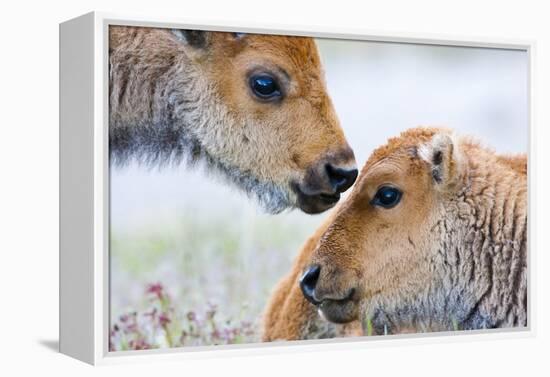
[
  {"x": 452, "y": 254},
  {"x": 181, "y": 96}
]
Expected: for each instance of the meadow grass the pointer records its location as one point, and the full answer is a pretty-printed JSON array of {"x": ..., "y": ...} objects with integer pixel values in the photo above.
[{"x": 197, "y": 281}]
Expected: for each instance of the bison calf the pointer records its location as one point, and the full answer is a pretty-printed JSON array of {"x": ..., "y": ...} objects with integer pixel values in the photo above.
[
  {"x": 252, "y": 107},
  {"x": 433, "y": 237}
]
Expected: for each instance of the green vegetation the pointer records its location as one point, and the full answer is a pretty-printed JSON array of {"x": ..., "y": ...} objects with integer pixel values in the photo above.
[{"x": 214, "y": 275}]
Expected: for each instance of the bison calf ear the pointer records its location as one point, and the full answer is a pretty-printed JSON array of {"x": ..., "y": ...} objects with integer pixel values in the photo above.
[
  {"x": 194, "y": 38},
  {"x": 200, "y": 41},
  {"x": 443, "y": 157}
]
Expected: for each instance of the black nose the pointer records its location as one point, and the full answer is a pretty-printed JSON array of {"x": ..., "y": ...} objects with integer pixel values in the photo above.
[
  {"x": 308, "y": 281},
  {"x": 340, "y": 179}
]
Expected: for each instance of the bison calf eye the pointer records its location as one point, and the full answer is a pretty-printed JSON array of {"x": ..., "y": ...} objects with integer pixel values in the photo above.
[
  {"x": 265, "y": 87},
  {"x": 387, "y": 197}
]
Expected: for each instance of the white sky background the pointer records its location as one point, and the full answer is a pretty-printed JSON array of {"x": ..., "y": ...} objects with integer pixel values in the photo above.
[{"x": 378, "y": 89}]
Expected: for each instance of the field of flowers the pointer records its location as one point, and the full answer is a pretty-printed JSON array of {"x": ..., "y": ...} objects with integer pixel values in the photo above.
[
  {"x": 203, "y": 280},
  {"x": 163, "y": 326}
]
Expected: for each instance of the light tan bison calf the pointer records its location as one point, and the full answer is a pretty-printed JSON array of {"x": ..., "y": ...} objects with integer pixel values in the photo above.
[
  {"x": 432, "y": 237},
  {"x": 252, "y": 107}
]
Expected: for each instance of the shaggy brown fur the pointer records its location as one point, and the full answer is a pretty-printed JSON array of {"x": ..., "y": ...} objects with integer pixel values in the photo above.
[
  {"x": 185, "y": 95},
  {"x": 450, "y": 254}
]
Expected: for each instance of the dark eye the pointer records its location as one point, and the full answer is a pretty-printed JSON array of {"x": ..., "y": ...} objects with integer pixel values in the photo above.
[
  {"x": 265, "y": 86},
  {"x": 387, "y": 197}
]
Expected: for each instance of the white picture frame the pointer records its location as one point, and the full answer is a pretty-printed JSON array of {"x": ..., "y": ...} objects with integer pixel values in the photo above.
[{"x": 84, "y": 189}]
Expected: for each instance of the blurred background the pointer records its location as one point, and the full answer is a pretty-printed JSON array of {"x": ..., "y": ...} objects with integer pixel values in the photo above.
[{"x": 193, "y": 261}]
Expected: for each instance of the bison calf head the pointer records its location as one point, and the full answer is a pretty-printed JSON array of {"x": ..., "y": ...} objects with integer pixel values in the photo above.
[
  {"x": 268, "y": 120},
  {"x": 378, "y": 257},
  {"x": 253, "y": 107}
]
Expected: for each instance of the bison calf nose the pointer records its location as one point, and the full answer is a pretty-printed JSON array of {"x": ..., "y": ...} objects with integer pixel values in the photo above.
[
  {"x": 340, "y": 179},
  {"x": 308, "y": 281},
  {"x": 324, "y": 181}
]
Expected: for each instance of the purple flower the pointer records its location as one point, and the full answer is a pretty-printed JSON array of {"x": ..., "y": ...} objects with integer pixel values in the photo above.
[
  {"x": 164, "y": 319},
  {"x": 156, "y": 289},
  {"x": 215, "y": 334},
  {"x": 130, "y": 328},
  {"x": 139, "y": 344}
]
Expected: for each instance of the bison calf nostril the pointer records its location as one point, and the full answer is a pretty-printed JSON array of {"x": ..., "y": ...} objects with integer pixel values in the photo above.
[
  {"x": 340, "y": 178},
  {"x": 308, "y": 281}
]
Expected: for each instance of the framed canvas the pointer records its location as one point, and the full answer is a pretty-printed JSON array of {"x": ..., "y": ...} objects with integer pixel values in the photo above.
[{"x": 231, "y": 188}]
